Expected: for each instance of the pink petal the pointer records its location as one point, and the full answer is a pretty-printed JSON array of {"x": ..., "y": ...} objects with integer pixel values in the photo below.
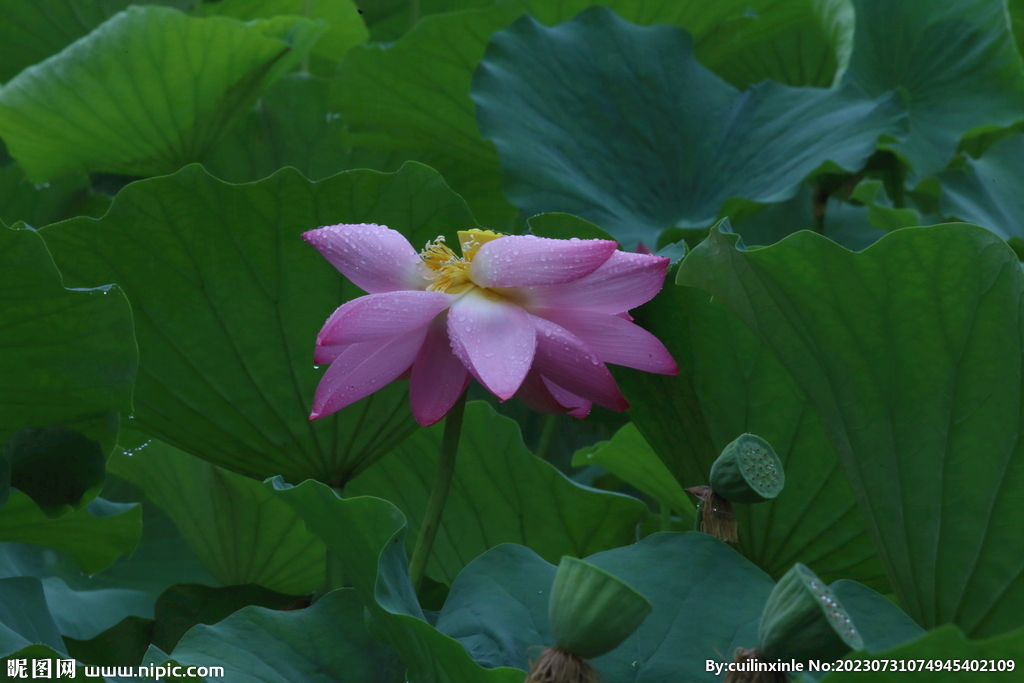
[
  {"x": 521, "y": 260},
  {"x": 438, "y": 377},
  {"x": 494, "y": 339},
  {"x": 324, "y": 355},
  {"x": 381, "y": 315},
  {"x": 540, "y": 394},
  {"x": 565, "y": 360},
  {"x": 577, "y": 406},
  {"x": 642, "y": 248},
  {"x": 622, "y": 282},
  {"x": 615, "y": 340},
  {"x": 362, "y": 369},
  {"x": 374, "y": 257}
]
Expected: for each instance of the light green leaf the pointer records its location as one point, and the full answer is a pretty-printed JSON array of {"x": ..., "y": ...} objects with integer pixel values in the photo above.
[
  {"x": 501, "y": 493},
  {"x": 240, "y": 532},
  {"x": 346, "y": 27},
  {"x": 95, "y": 535},
  {"x": 910, "y": 352},
  {"x": 955, "y": 64},
  {"x": 579, "y": 131},
  {"x": 112, "y": 101},
  {"x": 68, "y": 366},
  {"x": 229, "y": 299},
  {"x": 632, "y": 459}
]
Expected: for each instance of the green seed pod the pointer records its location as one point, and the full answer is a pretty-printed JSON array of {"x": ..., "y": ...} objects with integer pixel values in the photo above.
[
  {"x": 803, "y": 620},
  {"x": 592, "y": 612},
  {"x": 748, "y": 471}
]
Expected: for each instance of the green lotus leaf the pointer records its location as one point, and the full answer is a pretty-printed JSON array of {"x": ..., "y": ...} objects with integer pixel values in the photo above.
[
  {"x": 208, "y": 504},
  {"x": 67, "y": 369},
  {"x": 597, "y": 129},
  {"x": 323, "y": 643},
  {"x": 987, "y": 191},
  {"x": 908, "y": 353},
  {"x": 730, "y": 384},
  {"x": 228, "y": 301},
  {"x": 95, "y": 535},
  {"x": 367, "y": 536},
  {"x": 112, "y": 101},
  {"x": 500, "y": 493},
  {"x": 955, "y": 64},
  {"x": 32, "y": 31}
]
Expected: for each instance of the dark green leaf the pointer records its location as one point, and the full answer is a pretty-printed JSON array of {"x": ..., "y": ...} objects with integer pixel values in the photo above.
[
  {"x": 268, "y": 547},
  {"x": 730, "y": 384},
  {"x": 367, "y": 535},
  {"x": 910, "y": 353},
  {"x": 95, "y": 536},
  {"x": 988, "y": 191},
  {"x": 586, "y": 121},
  {"x": 68, "y": 366},
  {"x": 501, "y": 493},
  {"x": 229, "y": 299},
  {"x": 955, "y": 64}
]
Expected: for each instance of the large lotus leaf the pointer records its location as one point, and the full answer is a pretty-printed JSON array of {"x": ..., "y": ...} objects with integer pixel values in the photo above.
[
  {"x": 501, "y": 493},
  {"x": 292, "y": 124},
  {"x": 24, "y": 617},
  {"x": 39, "y": 205},
  {"x": 345, "y": 27},
  {"x": 413, "y": 96},
  {"x": 239, "y": 531},
  {"x": 945, "y": 646},
  {"x": 229, "y": 299},
  {"x": 881, "y": 624},
  {"x": 729, "y": 384},
  {"x": 68, "y": 365},
  {"x": 707, "y": 602},
  {"x": 367, "y": 536},
  {"x": 588, "y": 122},
  {"x": 325, "y": 642},
  {"x": 95, "y": 535},
  {"x": 910, "y": 352},
  {"x": 31, "y": 31},
  {"x": 988, "y": 191},
  {"x": 112, "y": 101},
  {"x": 954, "y": 62}
]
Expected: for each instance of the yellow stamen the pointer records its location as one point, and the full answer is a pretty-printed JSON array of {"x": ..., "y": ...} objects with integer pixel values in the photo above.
[
  {"x": 472, "y": 240},
  {"x": 451, "y": 273}
]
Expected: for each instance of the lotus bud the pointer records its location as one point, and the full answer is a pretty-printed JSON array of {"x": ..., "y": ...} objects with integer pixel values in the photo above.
[
  {"x": 802, "y": 620},
  {"x": 715, "y": 515},
  {"x": 748, "y": 471},
  {"x": 590, "y": 613}
]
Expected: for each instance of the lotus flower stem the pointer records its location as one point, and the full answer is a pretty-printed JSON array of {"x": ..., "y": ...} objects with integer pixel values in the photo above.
[{"x": 439, "y": 494}]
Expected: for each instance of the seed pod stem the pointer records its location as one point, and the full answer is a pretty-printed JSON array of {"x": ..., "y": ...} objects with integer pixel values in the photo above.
[{"x": 715, "y": 515}]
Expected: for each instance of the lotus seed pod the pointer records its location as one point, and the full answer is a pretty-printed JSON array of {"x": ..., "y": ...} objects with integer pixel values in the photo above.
[
  {"x": 591, "y": 612},
  {"x": 803, "y": 620},
  {"x": 748, "y": 471}
]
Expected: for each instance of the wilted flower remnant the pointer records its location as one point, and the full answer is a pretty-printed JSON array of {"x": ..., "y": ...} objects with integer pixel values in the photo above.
[{"x": 527, "y": 316}]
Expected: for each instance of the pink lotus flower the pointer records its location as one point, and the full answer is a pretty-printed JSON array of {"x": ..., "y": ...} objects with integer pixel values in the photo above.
[{"x": 530, "y": 317}]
